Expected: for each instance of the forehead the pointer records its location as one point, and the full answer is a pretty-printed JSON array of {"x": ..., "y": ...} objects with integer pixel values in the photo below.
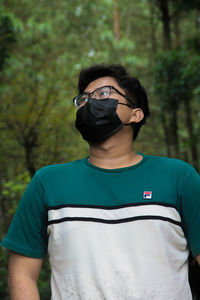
[{"x": 102, "y": 81}]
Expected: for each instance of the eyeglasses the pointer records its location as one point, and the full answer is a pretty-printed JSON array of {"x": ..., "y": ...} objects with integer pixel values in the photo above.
[{"x": 102, "y": 92}]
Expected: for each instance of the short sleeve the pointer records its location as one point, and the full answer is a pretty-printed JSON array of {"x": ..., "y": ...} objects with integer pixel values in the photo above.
[
  {"x": 190, "y": 209},
  {"x": 27, "y": 233}
]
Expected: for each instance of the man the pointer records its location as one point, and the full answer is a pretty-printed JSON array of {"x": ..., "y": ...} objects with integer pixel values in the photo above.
[{"x": 117, "y": 224}]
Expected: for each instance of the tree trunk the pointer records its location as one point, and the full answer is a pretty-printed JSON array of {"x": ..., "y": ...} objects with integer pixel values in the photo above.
[
  {"x": 116, "y": 20},
  {"x": 167, "y": 45},
  {"x": 177, "y": 43},
  {"x": 153, "y": 27},
  {"x": 166, "y": 133},
  {"x": 29, "y": 160},
  {"x": 193, "y": 144},
  {"x": 174, "y": 132},
  {"x": 165, "y": 18}
]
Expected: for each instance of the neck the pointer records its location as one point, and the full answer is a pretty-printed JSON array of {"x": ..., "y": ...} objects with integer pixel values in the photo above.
[{"x": 113, "y": 154}]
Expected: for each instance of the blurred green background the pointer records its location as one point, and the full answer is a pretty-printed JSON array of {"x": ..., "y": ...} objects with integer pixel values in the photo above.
[{"x": 43, "y": 46}]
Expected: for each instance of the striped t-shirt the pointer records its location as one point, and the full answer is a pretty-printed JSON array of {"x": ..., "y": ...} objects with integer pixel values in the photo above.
[{"x": 113, "y": 234}]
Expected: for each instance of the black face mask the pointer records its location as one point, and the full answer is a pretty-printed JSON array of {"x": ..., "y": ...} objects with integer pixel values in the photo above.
[{"x": 97, "y": 120}]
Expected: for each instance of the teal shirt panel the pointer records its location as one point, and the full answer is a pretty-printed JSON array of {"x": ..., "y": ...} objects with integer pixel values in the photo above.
[
  {"x": 170, "y": 181},
  {"x": 190, "y": 210}
]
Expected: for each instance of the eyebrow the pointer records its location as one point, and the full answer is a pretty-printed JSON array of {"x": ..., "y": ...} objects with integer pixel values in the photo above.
[
  {"x": 101, "y": 87},
  {"x": 94, "y": 89}
]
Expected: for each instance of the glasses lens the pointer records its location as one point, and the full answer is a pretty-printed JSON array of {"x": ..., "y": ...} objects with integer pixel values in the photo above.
[
  {"x": 102, "y": 92},
  {"x": 81, "y": 99}
]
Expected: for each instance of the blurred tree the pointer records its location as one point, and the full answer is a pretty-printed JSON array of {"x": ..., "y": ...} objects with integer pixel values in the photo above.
[
  {"x": 7, "y": 38},
  {"x": 176, "y": 77},
  {"x": 172, "y": 11}
]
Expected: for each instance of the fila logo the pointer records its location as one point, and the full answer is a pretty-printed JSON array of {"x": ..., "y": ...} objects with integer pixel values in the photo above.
[{"x": 147, "y": 195}]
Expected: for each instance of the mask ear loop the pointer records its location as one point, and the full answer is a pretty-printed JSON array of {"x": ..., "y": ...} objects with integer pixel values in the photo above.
[{"x": 127, "y": 124}]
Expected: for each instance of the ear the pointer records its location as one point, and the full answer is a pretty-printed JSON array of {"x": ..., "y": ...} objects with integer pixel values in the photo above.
[{"x": 136, "y": 116}]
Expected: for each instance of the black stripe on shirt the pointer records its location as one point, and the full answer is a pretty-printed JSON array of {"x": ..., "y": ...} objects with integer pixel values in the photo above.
[
  {"x": 98, "y": 220},
  {"x": 110, "y": 207}
]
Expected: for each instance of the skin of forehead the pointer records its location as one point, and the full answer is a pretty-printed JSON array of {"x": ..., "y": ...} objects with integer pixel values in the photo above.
[{"x": 102, "y": 81}]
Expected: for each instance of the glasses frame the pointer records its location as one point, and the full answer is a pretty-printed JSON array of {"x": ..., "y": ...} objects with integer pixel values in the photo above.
[{"x": 105, "y": 86}]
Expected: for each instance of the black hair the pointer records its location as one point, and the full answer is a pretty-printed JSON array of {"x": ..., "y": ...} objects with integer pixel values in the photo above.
[{"x": 131, "y": 85}]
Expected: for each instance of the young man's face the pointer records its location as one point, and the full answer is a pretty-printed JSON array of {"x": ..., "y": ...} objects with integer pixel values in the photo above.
[
  {"x": 124, "y": 112},
  {"x": 96, "y": 119}
]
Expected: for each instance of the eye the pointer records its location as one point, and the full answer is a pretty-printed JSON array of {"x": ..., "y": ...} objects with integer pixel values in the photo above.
[
  {"x": 103, "y": 94},
  {"x": 84, "y": 99},
  {"x": 81, "y": 99}
]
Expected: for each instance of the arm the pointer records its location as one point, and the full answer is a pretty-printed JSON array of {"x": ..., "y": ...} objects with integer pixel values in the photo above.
[
  {"x": 23, "y": 273},
  {"x": 198, "y": 258}
]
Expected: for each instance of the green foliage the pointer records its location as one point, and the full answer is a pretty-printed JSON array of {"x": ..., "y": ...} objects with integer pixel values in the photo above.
[
  {"x": 7, "y": 38},
  {"x": 176, "y": 75},
  {"x": 167, "y": 78},
  {"x": 193, "y": 43},
  {"x": 176, "y": 84},
  {"x": 13, "y": 190}
]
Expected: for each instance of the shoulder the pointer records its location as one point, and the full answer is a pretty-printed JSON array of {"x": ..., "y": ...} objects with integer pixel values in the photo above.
[
  {"x": 167, "y": 164},
  {"x": 59, "y": 169}
]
